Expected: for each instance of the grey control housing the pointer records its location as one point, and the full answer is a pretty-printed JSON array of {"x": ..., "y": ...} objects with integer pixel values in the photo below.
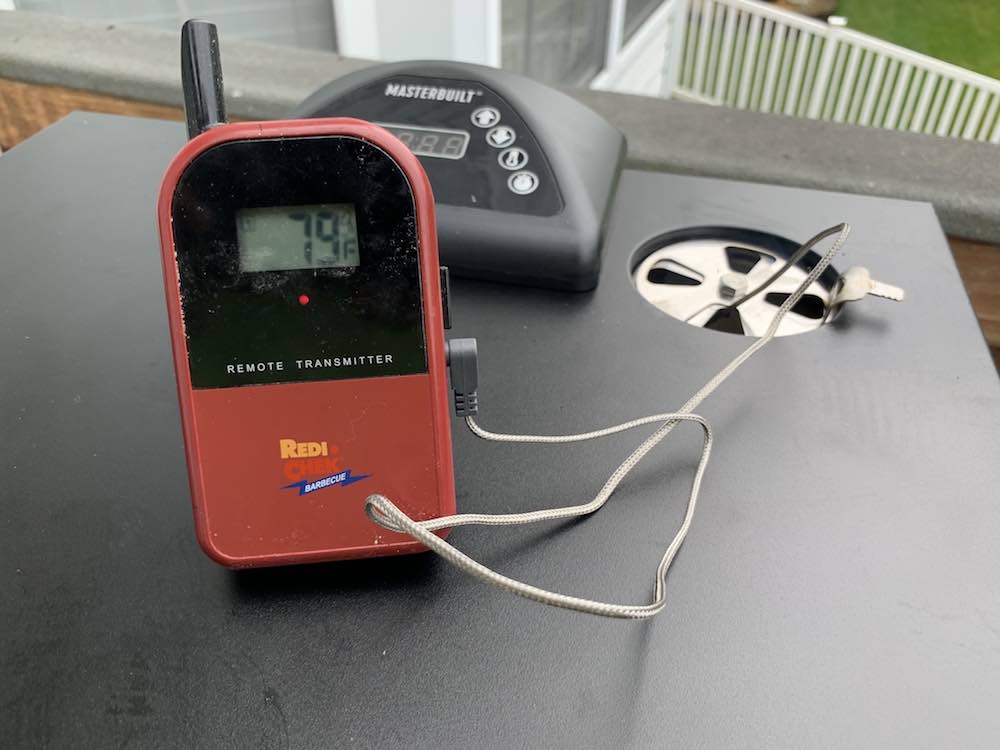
[{"x": 577, "y": 166}]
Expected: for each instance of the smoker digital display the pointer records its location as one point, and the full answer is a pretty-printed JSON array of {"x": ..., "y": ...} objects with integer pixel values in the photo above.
[{"x": 436, "y": 142}]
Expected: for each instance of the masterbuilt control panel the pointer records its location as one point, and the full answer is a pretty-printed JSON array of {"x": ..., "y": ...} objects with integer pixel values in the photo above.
[
  {"x": 523, "y": 175},
  {"x": 481, "y": 152}
]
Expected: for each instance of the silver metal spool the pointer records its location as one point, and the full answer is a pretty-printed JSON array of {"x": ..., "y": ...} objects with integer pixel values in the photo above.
[{"x": 696, "y": 275}]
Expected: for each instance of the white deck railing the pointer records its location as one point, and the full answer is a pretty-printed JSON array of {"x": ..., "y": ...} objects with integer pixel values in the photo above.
[{"x": 752, "y": 55}]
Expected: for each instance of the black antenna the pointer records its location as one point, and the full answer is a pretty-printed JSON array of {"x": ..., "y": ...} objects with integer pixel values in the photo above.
[{"x": 201, "y": 76}]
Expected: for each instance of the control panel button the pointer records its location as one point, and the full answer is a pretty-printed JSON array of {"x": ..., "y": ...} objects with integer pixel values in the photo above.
[
  {"x": 513, "y": 158},
  {"x": 485, "y": 117},
  {"x": 501, "y": 136},
  {"x": 523, "y": 183}
]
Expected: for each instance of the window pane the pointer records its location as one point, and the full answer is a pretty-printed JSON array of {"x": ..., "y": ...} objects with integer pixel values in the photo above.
[
  {"x": 637, "y": 11},
  {"x": 555, "y": 41}
]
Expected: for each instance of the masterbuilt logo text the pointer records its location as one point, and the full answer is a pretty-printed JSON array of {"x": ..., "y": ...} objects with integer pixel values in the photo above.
[
  {"x": 313, "y": 466},
  {"x": 434, "y": 93}
]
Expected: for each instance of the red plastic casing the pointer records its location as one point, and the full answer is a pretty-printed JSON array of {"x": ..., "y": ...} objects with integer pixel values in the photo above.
[{"x": 395, "y": 429}]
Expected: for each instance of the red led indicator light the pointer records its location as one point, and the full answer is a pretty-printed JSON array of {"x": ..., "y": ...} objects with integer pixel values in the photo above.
[{"x": 303, "y": 299}]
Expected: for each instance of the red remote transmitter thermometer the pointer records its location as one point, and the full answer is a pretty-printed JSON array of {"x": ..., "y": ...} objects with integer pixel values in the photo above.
[{"x": 306, "y": 314}]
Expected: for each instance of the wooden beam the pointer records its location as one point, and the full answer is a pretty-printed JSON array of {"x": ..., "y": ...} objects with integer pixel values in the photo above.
[
  {"x": 26, "y": 108},
  {"x": 979, "y": 266}
]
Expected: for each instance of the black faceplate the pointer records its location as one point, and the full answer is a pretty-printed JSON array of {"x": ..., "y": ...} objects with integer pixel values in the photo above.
[
  {"x": 359, "y": 322},
  {"x": 477, "y": 180}
]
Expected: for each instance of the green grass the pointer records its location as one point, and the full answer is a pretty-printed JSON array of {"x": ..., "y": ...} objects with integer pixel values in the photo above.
[{"x": 963, "y": 32}]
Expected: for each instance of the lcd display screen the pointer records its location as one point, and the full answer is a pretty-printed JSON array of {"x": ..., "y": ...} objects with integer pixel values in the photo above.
[
  {"x": 286, "y": 238},
  {"x": 442, "y": 144}
]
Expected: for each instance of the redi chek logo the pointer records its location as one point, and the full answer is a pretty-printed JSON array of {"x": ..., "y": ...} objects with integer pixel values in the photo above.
[
  {"x": 313, "y": 466},
  {"x": 435, "y": 93}
]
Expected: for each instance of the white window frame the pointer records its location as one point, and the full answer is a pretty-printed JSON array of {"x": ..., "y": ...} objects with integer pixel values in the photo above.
[
  {"x": 475, "y": 30},
  {"x": 669, "y": 14}
]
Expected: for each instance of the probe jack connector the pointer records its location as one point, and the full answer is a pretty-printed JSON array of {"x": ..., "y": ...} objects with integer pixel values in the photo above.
[{"x": 463, "y": 364}]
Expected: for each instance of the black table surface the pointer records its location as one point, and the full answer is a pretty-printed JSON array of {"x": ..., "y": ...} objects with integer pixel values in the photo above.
[{"x": 840, "y": 586}]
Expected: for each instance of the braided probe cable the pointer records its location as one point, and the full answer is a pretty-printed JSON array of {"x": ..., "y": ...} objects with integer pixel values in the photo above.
[{"x": 384, "y": 513}]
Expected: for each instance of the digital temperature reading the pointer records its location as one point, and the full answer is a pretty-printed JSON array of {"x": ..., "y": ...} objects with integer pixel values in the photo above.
[
  {"x": 443, "y": 144},
  {"x": 287, "y": 238}
]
